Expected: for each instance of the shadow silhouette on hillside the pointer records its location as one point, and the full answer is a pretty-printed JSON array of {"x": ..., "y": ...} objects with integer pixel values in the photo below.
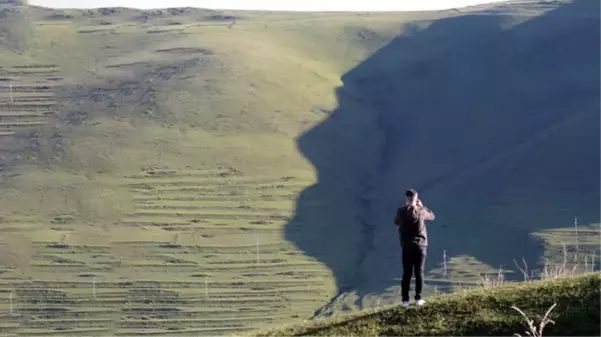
[{"x": 495, "y": 123}]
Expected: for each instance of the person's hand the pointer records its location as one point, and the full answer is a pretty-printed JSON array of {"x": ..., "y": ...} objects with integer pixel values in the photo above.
[{"x": 419, "y": 203}]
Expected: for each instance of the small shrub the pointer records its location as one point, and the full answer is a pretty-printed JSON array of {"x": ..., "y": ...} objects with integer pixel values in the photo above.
[
  {"x": 533, "y": 331},
  {"x": 486, "y": 281}
]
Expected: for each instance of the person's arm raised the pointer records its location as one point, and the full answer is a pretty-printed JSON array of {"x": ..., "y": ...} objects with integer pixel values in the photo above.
[{"x": 427, "y": 214}]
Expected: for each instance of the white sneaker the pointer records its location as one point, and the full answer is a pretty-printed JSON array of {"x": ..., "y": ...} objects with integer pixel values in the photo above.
[
  {"x": 405, "y": 304},
  {"x": 420, "y": 302}
]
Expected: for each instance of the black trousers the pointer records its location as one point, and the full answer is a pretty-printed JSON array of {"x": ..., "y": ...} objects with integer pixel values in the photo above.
[{"x": 414, "y": 262}]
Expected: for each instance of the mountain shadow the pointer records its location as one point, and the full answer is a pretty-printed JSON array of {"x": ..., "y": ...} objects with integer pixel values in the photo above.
[{"x": 492, "y": 115}]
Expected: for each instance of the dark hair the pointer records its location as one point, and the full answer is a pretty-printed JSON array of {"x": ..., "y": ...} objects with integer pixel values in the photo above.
[{"x": 411, "y": 193}]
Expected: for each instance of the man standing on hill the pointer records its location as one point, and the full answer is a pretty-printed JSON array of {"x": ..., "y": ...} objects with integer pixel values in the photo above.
[{"x": 411, "y": 222}]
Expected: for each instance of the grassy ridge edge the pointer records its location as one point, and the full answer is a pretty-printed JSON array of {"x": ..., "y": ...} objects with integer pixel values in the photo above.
[{"x": 485, "y": 311}]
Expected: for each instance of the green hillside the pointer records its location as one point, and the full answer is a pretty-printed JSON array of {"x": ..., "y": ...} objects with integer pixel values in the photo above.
[
  {"x": 194, "y": 172},
  {"x": 573, "y": 303}
]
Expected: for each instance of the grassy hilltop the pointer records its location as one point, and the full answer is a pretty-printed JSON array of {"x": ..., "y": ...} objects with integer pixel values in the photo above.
[
  {"x": 572, "y": 302},
  {"x": 194, "y": 172}
]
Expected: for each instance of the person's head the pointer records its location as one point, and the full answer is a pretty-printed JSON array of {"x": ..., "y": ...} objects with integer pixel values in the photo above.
[{"x": 411, "y": 197}]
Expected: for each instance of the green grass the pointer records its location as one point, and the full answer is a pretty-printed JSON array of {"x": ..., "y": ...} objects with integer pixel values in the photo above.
[
  {"x": 480, "y": 312},
  {"x": 170, "y": 142}
]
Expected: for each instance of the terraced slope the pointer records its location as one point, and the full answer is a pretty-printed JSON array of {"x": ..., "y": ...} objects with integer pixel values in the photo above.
[
  {"x": 27, "y": 97},
  {"x": 203, "y": 172},
  {"x": 201, "y": 254}
]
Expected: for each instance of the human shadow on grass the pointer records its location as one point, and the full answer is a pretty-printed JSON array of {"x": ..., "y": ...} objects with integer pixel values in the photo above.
[{"x": 495, "y": 122}]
